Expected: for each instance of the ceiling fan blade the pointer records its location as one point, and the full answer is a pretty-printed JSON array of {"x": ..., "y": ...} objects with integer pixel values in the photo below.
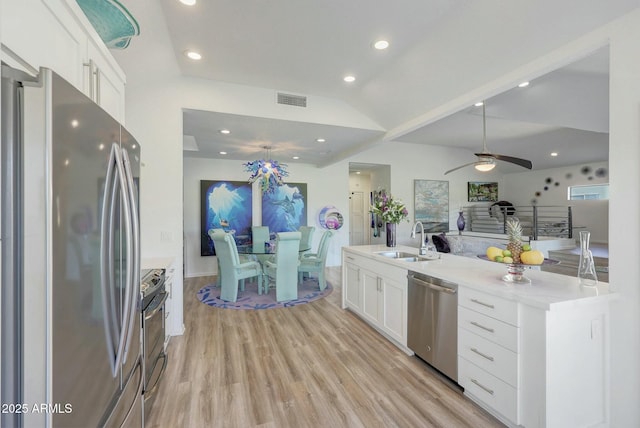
[
  {"x": 461, "y": 166},
  {"x": 518, "y": 161}
]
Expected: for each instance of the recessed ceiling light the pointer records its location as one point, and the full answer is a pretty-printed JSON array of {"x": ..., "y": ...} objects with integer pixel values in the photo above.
[
  {"x": 381, "y": 44},
  {"x": 223, "y": 153},
  {"x": 193, "y": 55},
  {"x": 101, "y": 146},
  {"x": 296, "y": 157},
  {"x": 188, "y": 2},
  {"x": 225, "y": 131},
  {"x": 479, "y": 104},
  {"x": 523, "y": 85},
  {"x": 349, "y": 79},
  {"x": 358, "y": 172},
  {"x": 554, "y": 154},
  {"x": 75, "y": 123},
  {"x": 320, "y": 140}
]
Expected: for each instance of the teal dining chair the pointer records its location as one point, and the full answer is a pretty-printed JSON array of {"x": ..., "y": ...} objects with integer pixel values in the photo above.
[
  {"x": 283, "y": 269},
  {"x": 306, "y": 238},
  {"x": 316, "y": 262},
  {"x": 232, "y": 269},
  {"x": 259, "y": 236},
  {"x": 211, "y": 232}
]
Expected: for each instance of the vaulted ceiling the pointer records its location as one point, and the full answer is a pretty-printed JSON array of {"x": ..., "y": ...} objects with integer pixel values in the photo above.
[{"x": 437, "y": 49}]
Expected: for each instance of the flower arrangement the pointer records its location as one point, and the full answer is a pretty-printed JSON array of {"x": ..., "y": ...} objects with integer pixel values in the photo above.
[{"x": 388, "y": 209}]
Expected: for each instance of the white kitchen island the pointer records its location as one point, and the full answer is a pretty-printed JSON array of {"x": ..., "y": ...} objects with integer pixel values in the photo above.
[{"x": 534, "y": 355}]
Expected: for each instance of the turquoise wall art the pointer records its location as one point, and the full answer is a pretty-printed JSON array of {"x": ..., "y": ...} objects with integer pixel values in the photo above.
[{"x": 224, "y": 205}]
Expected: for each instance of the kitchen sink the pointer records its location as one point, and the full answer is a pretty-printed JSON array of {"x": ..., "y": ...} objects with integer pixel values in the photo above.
[
  {"x": 395, "y": 254},
  {"x": 400, "y": 255}
]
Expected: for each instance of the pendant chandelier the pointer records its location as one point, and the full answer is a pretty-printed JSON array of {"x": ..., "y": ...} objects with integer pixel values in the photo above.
[{"x": 270, "y": 172}]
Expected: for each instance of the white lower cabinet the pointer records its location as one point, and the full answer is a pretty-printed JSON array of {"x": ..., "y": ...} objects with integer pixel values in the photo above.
[
  {"x": 534, "y": 367},
  {"x": 489, "y": 389},
  {"x": 168, "y": 286},
  {"x": 352, "y": 291},
  {"x": 378, "y": 293},
  {"x": 488, "y": 339}
]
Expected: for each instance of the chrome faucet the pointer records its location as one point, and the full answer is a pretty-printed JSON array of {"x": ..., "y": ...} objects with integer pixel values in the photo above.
[{"x": 423, "y": 247}]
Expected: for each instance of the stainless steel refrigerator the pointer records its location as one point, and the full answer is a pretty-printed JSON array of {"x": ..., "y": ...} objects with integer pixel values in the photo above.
[{"x": 76, "y": 277}]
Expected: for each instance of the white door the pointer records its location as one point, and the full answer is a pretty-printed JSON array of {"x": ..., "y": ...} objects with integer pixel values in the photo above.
[{"x": 357, "y": 218}]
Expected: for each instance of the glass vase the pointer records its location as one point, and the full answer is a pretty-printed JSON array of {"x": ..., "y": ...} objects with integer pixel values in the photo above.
[
  {"x": 586, "y": 268},
  {"x": 460, "y": 222},
  {"x": 391, "y": 234}
]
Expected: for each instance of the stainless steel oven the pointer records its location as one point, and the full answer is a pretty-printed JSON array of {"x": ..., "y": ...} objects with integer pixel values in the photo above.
[{"x": 154, "y": 296}]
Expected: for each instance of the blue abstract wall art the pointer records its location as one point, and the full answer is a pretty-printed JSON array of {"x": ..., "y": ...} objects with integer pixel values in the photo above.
[
  {"x": 224, "y": 205},
  {"x": 285, "y": 210}
]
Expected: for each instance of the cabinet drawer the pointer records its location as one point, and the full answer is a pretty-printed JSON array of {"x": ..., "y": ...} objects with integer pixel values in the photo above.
[
  {"x": 498, "y": 395},
  {"x": 499, "y": 361},
  {"x": 495, "y": 307},
  {"x": 490, "y": 328}
]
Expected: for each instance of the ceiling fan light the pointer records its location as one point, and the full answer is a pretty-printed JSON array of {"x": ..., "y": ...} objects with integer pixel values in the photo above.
[{"x": 485, "y": 167}]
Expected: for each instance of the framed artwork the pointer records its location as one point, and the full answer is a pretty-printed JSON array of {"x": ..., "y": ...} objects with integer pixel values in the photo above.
[
  {"x": 285, "y": 209},
  {"x": 482, "y": 191},
  {"x": 431, "y": 204},
  {"x": 224, "y": 205}
]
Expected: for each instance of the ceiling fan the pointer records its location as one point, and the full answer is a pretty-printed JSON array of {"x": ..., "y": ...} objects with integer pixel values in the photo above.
[{"x": 487, "y": 161}]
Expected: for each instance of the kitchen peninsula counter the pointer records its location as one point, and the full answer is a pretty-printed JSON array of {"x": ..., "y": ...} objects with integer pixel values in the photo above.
[
  {"x": 533, "y": 354},
  {"x": 546, "y": 291}
]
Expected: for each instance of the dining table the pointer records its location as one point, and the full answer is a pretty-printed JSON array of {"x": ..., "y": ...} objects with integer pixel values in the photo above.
[{"x": 268, "y": 249}]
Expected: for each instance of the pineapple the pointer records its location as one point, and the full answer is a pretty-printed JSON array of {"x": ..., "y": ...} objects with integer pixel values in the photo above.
[{"x": 514, "y": 232}]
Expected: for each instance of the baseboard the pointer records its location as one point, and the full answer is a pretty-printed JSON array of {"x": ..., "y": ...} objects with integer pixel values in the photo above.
[{"x": 199, "y": 274}]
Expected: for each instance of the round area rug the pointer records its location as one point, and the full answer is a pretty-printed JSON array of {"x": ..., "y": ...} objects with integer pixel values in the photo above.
[{"x": 249, "y": 299}]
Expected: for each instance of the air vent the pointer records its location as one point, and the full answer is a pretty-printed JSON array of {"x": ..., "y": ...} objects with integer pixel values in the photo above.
[{"x": 292, "y": 100}]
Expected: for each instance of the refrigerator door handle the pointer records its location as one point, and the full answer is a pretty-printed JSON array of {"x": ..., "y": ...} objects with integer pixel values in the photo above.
[
  {"x": 126, "y": 212},
  {"x": 135, "y": 272},
  {"x": 138, "y": 394},
  {"x": 106, "y": 280}
]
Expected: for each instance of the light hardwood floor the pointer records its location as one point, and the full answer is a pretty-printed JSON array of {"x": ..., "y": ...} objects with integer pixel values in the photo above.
[{"x": 313, "y": 365}]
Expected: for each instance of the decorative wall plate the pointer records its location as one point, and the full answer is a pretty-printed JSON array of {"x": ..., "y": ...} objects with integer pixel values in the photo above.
[{"x": 330, "y": 218}]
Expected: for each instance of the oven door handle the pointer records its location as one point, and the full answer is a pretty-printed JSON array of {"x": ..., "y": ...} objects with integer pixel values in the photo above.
[
  {"x": 151, "y": 391},
  {"x": 155, "y": 310}
]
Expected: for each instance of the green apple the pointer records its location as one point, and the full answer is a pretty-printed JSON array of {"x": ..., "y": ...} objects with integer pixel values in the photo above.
[
  {"x": 498, "y": 259},
  {"x": 506, "y": 253},
  {"x": 526, "y": 247}
]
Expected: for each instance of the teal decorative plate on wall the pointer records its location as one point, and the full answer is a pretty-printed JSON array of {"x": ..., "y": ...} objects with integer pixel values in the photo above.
[{"x": 112, "y": 21}]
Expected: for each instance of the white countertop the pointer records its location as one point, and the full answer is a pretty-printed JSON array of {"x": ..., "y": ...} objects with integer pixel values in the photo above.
[
  {"x": 547, "y": 290},
  {"x": 156, "y": 262}
]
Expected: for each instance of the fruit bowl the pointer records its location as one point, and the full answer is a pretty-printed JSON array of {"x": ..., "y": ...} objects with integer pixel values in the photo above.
[{"x": 515, "y": 271}]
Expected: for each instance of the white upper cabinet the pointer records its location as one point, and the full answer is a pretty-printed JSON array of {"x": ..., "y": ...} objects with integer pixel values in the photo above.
[
  {"x": 55, "y": 34},
  {"x": 102, "y": 82}
]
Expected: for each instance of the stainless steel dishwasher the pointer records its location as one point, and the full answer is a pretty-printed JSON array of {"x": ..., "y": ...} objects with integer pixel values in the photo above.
[{"x": 433, "y": 322}]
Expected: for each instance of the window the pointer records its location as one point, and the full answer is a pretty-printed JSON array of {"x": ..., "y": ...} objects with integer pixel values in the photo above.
[{"x": 589, "y": 192}]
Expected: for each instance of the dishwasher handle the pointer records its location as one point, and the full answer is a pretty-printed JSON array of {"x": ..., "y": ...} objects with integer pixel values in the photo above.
[{"x": 431, "y": 286}]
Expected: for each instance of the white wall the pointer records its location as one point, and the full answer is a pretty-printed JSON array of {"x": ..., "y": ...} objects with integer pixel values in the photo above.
[
  {"x": 411, "y": 162},
  {"x": 521, "y": 188}
]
